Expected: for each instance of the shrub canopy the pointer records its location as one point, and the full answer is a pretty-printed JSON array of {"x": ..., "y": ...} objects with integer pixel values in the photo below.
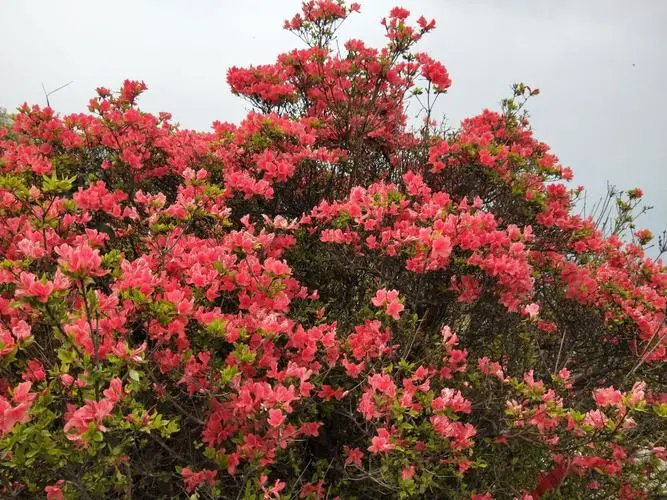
[{"x": 319, "y": 301}]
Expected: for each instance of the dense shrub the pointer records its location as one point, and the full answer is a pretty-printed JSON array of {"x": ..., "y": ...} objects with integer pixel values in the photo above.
[{"x": 319, "y": 301}]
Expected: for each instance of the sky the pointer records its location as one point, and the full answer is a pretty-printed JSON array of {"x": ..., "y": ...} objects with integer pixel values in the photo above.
[{"x": 600, "y": 65}]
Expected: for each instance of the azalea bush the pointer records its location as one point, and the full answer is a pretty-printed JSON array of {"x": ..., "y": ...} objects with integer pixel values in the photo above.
[{"x": 325, "y": 300}]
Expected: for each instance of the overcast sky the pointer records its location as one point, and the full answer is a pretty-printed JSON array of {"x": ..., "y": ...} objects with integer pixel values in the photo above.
[{"x": 601, "y": 66}]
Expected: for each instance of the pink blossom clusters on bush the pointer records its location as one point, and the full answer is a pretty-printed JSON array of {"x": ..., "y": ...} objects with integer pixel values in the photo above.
[{"x": 319, "y": 301}]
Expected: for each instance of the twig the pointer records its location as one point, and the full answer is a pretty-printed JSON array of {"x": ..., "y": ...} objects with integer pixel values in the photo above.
[{"x": 47, "y": 94}]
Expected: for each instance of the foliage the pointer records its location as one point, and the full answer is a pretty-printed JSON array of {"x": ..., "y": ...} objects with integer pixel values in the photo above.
[
  {"x": 318, "y": 301},
  {"x": 5, "y": 118}
]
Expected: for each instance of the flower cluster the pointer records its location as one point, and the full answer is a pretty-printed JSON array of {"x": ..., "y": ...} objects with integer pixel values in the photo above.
[{"x": 318, "y": 301}]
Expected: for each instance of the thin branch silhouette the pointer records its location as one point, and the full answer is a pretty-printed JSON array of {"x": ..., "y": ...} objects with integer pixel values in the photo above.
[{"x": 47, "y": 94}]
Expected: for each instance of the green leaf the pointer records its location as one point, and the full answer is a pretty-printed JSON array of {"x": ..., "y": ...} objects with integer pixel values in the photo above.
[{"x": 660, "y": 409}]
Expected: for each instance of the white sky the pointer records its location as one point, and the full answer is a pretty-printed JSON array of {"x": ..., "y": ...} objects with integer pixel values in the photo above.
[{"x": 601, "y": 66}]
